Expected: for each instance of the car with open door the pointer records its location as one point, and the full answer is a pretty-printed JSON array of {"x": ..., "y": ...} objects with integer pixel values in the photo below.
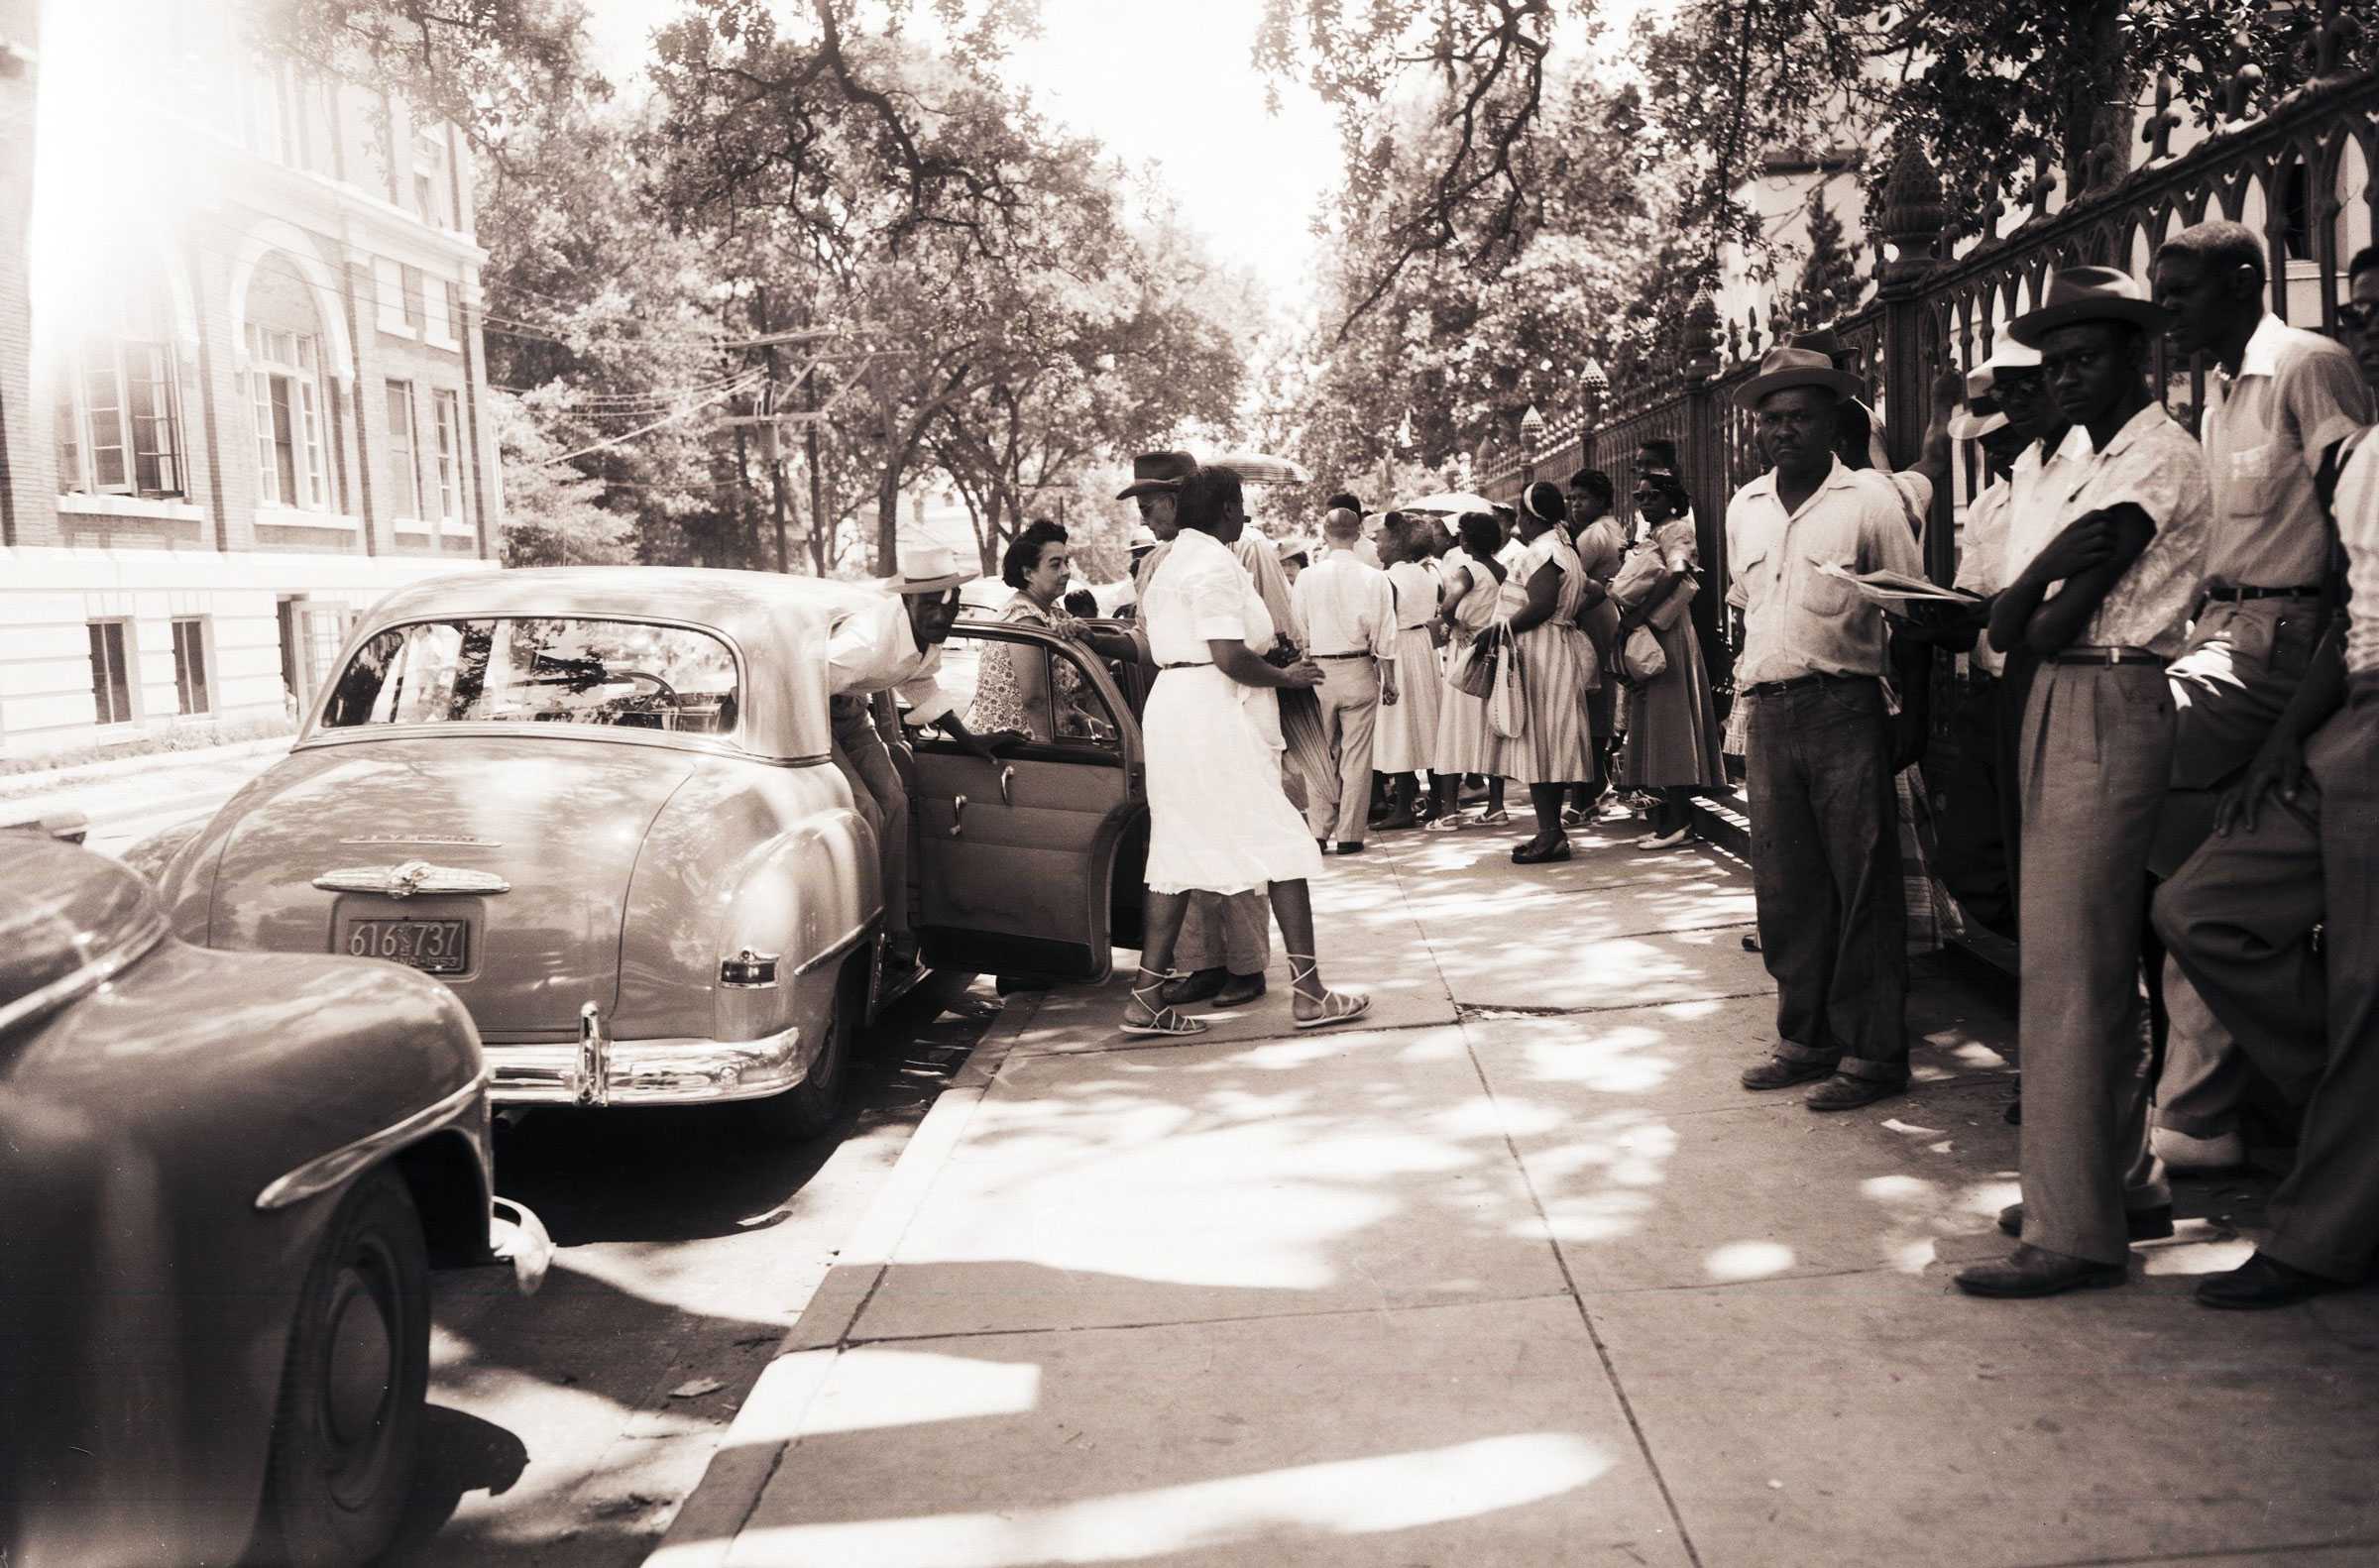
[{"x": 225, "y": 1178}]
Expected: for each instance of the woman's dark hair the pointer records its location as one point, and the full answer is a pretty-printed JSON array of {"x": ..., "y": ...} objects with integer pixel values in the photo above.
[
  {"x": 1542, "y": 502},
  {"x": 1668, "y": 487},
  {"x": 1024, "y": 552},
  {"x": 1594, "y": 482},
  {"x": 2366, "y": 259},
  {"x": 1347, "y": 498},
  {"x": 1082, "y": 603},
  {"x": 1205, "y": 495},
  {"x": 1661, "y": 451},
  {"x": 1482, "y": 535}
]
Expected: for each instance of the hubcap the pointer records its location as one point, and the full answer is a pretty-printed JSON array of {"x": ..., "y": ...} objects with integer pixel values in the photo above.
[{"x": 359, "y": 1371}]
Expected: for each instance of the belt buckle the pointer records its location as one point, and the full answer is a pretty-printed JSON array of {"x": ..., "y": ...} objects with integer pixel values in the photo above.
[{"x": 2114, "y": 656}]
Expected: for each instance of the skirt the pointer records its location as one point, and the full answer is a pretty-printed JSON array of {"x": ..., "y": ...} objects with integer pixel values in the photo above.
[
  {"x": 1672, "y": 726},
  {"x": 1602, "y": 704},
  {"x": 1553, "y": 747},
  {"x": 1405, "y": 738},
  {"x": 1466, "y": 742},
  {"x": 1219, "y": 821}
]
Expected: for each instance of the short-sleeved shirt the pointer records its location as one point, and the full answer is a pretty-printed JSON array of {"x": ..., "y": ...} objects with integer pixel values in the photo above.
[
  {"x": 1346, "y": 607},
  {"x": 873, "y": 648},
  {"x": 2358, "y": 531},
  {"x": 1979, "y": 555},
  {"x": 2265, "y": 429},
  {"x": 2035, "y": 494},
  {"x": 1798, "y": 620},
  {"x": 1416, "y": 587},
  {"x": 1600, "y": 549},
  {"x": 1197, "y": 593},
  {"x": 2150, "y": 463}
]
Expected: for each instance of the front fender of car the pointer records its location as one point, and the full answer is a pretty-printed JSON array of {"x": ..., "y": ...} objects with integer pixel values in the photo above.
[
  {"x": 746, "y": 856},
  {"x": 153, "y": 856}
]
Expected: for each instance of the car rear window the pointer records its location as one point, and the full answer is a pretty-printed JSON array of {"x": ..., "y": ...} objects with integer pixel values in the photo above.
[{"x": 540, "y": 669}]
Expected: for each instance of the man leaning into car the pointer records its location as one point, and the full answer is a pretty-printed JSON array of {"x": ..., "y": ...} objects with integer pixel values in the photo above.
[{"x": 892, "y": 642}]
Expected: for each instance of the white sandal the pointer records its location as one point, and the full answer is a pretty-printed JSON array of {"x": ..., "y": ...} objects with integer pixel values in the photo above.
[
  {"x": 1163, "y": 1022},
  {"x": 1337, "y": 1007}
]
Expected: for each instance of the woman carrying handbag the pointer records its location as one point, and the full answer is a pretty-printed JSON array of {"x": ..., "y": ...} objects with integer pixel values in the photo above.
[
  {"x": 1537, "y": 610},
  {"x": 1672, "y": 746}
]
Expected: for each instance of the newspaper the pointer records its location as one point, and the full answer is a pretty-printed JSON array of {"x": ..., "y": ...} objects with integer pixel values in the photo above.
[{"x": 1894, "y": 590}]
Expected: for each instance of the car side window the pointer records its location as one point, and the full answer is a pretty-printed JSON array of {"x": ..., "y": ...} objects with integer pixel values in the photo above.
[{"x": 1014, "y": 684}]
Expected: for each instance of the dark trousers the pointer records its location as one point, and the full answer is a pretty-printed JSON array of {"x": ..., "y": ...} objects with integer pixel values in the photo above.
[{"x": 1826, "y": 871}]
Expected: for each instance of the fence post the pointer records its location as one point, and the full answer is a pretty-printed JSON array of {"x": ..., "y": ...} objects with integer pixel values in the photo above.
[
  {"x": 1705, "y": 460},
  {"x": 1913, "y": 218}
]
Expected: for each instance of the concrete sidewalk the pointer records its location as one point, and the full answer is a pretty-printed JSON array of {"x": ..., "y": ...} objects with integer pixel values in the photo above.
[{"x": 1517, "y": 1276}]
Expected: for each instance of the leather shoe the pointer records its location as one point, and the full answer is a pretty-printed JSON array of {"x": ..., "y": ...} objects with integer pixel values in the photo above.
[
  {"x": 1782, "y": 1072},
  {"x": 1350, "y": 846},
  {"x": 2035, "y": 1271},
  {"x": 2141, "y": 1224},
  {"x": 1242, "y": 989},
  {"x": 1841, "y": 1092},
  {"x": 1394, "y": 820},
  {"x": 2264, "y": 1281},
  {"x": 1193, "y": 988},
  {"x": 1534, "y": 854}
]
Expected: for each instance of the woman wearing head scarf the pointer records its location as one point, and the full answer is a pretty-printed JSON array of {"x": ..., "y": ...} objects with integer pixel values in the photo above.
[
  {"x": 1465, "y": 742},
  {"x": 1537, "y": 607},
  {"x": 1672, "y": 744},
  {"x": 1219, "y": 818}
]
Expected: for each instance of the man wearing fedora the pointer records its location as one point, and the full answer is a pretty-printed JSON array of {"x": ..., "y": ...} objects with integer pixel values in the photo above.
[
  {"x": 1825, "y": 829},
  {"x": 2095, "y": 760},
  {"x": 889, "y": 638},
  {"x": 2276, "y": 398}
]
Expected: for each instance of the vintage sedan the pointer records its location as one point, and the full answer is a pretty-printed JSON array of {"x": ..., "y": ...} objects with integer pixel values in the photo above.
[
  {"x": 599, "y": 804},
  {"x": 225, "y": 1177}
]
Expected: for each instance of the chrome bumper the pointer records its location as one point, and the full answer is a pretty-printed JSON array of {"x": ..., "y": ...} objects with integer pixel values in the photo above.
[{"x": 596, "y": 1071}]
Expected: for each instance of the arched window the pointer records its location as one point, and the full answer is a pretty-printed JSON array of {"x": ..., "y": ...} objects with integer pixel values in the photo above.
[
  {"x": 119, "y": 404},
  {"x": 288, "y": 409}
]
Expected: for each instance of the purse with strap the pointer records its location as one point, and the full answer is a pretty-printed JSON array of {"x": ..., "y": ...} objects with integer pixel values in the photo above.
[
  {"x": 1508, "y": 704},
  {"x": 1640, "y": 656}
]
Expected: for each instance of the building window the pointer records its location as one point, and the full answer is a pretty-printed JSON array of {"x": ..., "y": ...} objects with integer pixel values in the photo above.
[
  {"x": 417, "y": 313},
  {"x": 269, "y": 109},
  {"x": 285, "y": 388},
  {"x": 404, "y": 451},
  {"x": 450, "y": 455},
  {"x": 189, "y": 665},
  {"x": 119, "y": 414},
  {"x": 439, "y": 300},
  {"x": 451, "y": 299},
  {"x": 388, "y": 294},
  {"x": 111, "y": 689},
  {"x": 429, "y": 177}
]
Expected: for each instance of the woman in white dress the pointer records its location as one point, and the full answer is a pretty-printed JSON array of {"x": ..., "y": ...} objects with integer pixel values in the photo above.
[
  {"x": 1219, "y": 818},
  {"x": 1466, "y": 742}
]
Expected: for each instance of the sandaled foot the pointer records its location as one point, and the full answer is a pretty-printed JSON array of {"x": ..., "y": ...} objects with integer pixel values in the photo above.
[
  {"x": 1146, "y": 1014},
  {"x": 1331, "y": 1007}
]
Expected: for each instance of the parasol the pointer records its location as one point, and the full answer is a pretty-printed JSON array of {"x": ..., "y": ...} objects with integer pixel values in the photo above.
[
  {"x": 1452, "y": 503},
  {"x": 1256, "y": 467}
]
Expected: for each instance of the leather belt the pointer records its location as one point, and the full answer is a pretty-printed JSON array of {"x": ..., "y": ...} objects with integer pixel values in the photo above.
[
  {"x": 2108, "y": 656},
  {"x": 2239, "y": 595},
  {"x": 1364, "y": 655},
  {"x": 1799, "y": 683},
  {"x": 1189, "y": 664}
]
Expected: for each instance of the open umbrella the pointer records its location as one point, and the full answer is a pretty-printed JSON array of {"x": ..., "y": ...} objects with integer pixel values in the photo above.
[
  {"x": 1452, "y": 503},
  {"x": 1255, "y": 467}
]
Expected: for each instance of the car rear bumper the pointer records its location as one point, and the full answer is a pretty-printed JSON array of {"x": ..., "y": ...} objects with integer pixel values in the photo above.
[{"x": 596, "y": 1071}]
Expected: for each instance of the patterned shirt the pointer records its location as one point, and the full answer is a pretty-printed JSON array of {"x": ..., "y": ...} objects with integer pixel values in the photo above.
[
  {"x": 2151, "y": 463},
  {"x": 1798, "y": 620},
  {"x": 2265, "y": 430}
]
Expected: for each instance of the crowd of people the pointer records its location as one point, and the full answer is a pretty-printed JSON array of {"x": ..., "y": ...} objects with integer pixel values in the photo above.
[{"x": 2181, "y": 707}]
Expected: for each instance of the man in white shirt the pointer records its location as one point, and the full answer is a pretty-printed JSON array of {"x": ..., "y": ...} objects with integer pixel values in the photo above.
[
  {"x": 889, "y": 640},
  {"x": 2294, "y": 848},
  {"x": 2096, "y": 761},
  {"x": 1347, "y": 612},
  {"x": 1405, "y": 740},
  {"x": 1825, "y": 819},
  {"x": 2276, "y": 398}
]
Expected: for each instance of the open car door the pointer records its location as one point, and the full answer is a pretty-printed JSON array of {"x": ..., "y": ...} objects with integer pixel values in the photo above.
[{"x": 1035, "y": 865}]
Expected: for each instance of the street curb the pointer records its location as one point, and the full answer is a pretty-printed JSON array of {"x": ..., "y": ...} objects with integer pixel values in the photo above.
[
  {"x": 714, "y": 1514},
  {"x": 18, "y": 788},
  {"x": 1721, "y": 821}
]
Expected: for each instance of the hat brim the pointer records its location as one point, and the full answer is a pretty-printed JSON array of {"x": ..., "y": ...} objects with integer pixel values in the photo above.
[
  {"x": 1148, "y": 487},
  {"x": 2140, "y": 313},
  {"x": 929, "y": 585},
  {"x": 1967, "y": 425},
  {"x": 1840, "y": 383}
]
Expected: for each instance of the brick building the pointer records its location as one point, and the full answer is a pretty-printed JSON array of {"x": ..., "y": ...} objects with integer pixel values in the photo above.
[{"x": 242, "y": 381}]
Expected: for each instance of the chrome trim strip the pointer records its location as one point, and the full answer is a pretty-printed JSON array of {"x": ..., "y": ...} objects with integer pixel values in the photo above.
[
  {"x": 829, "y": 954},
  {"x": 136, "y": 946},
  {"x": 319, "y": 1175},
  {"x": 409, "y": 877},
  {"x": 671, "y": 1071}
]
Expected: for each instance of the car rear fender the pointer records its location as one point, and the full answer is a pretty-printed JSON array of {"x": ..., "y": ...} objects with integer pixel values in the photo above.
[
  {"x": 448, "y": 1178},
  {"x": 807, "y": 899}
]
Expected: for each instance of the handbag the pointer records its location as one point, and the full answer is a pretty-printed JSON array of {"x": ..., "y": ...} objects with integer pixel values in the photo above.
[
  {"x": 1669, "y": 611},
  {"x": 1508, "y": 704},
  {"x": 1641, "y": 657},
  {"x": 1473, "y": 672}
]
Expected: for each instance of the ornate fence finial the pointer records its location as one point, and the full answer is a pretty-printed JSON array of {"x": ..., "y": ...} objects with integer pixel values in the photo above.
[
  {"x": 2158, "y": 132},
  {"x": 1751, "y": 331},
  {"x": 2044, "y": 182},
  {"x": 2246, "y": 77},
  {"x": 2329, "y": 40},
  {"x": 1913, "y": 214},
  {"x": 2098, "y": 169},
  {"x": 1698, "y": 352},
  {"x": 1734, "y": 341}
]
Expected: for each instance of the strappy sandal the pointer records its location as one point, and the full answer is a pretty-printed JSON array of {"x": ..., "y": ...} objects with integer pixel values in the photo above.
[
  {"x": 1163, "y": 1021},
  {"x": 1337, "y": 1007}
]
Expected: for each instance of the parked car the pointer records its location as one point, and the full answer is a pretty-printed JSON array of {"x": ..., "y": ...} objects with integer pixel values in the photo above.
[
  {"x": 598, "y": 802},
  {"x": 226, "y": 1175}
]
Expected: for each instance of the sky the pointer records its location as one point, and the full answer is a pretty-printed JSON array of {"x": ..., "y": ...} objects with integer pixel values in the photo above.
[{"x": 1161, "y": 83}]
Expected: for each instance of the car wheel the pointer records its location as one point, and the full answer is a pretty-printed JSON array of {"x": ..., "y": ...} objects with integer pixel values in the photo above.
[
  {"x": 809, "y": 1108},
  {"x": 347, "y": 1429}
]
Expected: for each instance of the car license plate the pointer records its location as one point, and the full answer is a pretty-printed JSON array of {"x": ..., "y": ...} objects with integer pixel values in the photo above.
[{"x": 434, "y": 947}]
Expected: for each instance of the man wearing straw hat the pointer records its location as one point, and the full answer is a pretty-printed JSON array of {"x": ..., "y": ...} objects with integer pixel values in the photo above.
[
  {"x": 2095, "y": 760},
  {"x": 889, "y": 640}
]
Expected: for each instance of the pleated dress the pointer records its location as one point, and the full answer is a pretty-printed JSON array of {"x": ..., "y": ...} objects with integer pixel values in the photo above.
[
  {"x": 1673, "y": 736},
  {"x": 1405, "y": 739}
]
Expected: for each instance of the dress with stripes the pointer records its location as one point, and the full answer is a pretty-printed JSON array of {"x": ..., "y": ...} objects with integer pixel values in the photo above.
[{"x": 1557, "y": 663}]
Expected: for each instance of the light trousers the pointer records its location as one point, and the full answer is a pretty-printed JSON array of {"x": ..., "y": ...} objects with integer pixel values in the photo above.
[
  {"x": 1225, "y": 931},
  {"x": 876, "y": 790},
  {"x": 1337, "y": 804}
]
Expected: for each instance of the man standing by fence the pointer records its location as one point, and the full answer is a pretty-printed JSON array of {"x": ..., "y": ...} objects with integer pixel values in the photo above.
[
  {"x": 1825, "y": 831},
  {"x": 2276, "y": 398}
]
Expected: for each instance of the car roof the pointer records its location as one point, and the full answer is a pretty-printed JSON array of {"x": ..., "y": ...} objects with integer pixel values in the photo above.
[{"x": 735, "y": 602}]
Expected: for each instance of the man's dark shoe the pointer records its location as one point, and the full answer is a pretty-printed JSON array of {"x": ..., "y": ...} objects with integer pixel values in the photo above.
[
  {"x": 1195, "y": 987},
  {"x": 2035, "y": 1271},
  {"x": 2141, "y": 1224},
  {"x": 1394, "y": 820},
  {"x": 1782, "y": 1072},
  {"x": 1841, "y": 1092},
  {"x": 1242, "y": 989},
  {"x": 1323, "y": 845},
  {"x": 2264, "y": 1281},
  {"x": 1538, "y": 853},
  {"x": 1350, "y": 846}
]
